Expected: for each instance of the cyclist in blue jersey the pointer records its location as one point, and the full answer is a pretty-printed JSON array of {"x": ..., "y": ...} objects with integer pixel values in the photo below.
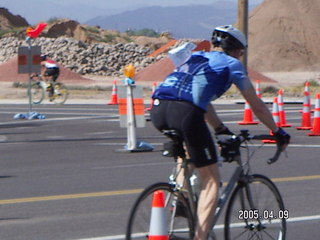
[{"x": 183, "y": 102}]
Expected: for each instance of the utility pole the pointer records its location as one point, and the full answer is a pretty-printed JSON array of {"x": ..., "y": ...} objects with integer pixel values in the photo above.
[{"x": 243, "y": 25}]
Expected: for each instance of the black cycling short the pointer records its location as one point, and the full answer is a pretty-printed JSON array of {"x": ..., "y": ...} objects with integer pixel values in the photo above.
[
  {"x": 52, "y": 72},
  {"x": 189, "y": 121}
]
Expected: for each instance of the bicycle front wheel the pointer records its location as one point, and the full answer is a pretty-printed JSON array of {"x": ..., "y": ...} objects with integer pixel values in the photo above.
[
  {"x": 179, "y": 217},
  {"x": 256, "y": 211},
  {"x": 60, "y": 93},
  {"x": 37, "y": 93}
]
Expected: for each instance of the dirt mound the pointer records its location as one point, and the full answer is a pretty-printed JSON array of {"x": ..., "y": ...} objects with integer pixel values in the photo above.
[
  {"x": 9, "y": 21},
  {"x": 254, "y": 76},
  {"x": 68, "y": 28},
  {"x": 284, "y": 35},
  {"x": 157, "y": 71},
  {"x": 9, "y": 73},
  {"x": 153, "y": 43}
]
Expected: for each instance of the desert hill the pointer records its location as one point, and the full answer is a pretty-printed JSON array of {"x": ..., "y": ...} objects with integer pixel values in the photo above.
[
  {"x": 284, "y": 36},
  {"x": 9, "y": 21}
]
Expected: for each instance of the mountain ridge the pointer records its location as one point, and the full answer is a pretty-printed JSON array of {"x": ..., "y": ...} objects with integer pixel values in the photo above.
[{"x": 198, "y": 18}]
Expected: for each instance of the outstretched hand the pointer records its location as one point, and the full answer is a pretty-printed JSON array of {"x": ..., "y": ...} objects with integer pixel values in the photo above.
[{"x": 283, "y": 138}]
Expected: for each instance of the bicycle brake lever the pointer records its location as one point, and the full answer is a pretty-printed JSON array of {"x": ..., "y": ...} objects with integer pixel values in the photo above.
[{"x": 275, "y": 157}]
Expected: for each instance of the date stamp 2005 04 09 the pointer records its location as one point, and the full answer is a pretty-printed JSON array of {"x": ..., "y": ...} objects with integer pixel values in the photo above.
[{"x": 255, "y": 214}]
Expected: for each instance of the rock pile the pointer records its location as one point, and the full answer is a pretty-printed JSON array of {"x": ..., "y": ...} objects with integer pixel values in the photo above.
[{"x": 84, "y": 58}]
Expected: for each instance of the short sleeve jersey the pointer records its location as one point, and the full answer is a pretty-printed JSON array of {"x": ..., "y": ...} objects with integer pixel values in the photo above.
[
  {"x": 203, "y": 78},
  {"x": 50, "y": 64}
]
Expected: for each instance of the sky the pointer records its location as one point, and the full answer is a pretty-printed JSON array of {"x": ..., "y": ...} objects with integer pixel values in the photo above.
[
  {"x": 84, "y": 10},
  {"x": 113, "y": 4}
]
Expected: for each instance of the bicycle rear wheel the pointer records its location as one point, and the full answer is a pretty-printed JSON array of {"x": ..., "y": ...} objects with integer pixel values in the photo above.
[
  {"x": 180, "y": 223},
  {"x": 37, "y": 93},
  {"x": 256, "y": 211},
  {"x": 60, "y": 93}
]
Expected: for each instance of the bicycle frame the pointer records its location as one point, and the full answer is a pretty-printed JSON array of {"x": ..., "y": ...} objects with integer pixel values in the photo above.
[
  {"x": 185, "y": 185},
  {"x": 187, "y": 188},
  {"x": 237, "y": 176},
  {"x": 226, "y": 193},
  {"x": 43, "y": 84}
]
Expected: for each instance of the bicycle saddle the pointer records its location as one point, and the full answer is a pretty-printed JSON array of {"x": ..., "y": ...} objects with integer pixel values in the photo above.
[
  {"x": 171, "y": 133},
  {"x": 173, "y": 148}
]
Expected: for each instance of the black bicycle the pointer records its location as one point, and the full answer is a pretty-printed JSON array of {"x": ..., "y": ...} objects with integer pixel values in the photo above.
[{"x": 255, "y": 209}]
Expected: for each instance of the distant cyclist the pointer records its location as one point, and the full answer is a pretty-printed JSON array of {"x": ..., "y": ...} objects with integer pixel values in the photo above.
[{"x": 50, "y": 71}]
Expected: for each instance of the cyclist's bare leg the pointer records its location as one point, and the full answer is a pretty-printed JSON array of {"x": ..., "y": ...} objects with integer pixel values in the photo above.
[
  {"x": 180, "y": 171},
  {"x": 50, "y": 81},
  {"x": 210, "y": 181},
  {"x": 180, "y": 177}
]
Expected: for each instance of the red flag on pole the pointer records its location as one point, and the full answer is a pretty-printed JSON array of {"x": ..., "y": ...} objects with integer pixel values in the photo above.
[{"x": 34, "y": 33}]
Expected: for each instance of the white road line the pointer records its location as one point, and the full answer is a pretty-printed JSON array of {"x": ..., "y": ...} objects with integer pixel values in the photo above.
[
  {"x": 122, "y": 144},
  {"x": 134, "y": 165},
  {"x": 290, "y": 220},
  {"x": 254, "y": 145},
  {"x": 221, "y": 226}
]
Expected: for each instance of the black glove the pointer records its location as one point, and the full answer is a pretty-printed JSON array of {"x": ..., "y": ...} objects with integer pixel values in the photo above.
[
  {"x": 283, "y": 138},
  {"x": 223, "y": 130}
]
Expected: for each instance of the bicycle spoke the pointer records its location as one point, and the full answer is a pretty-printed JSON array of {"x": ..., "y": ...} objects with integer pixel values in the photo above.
[
  {"x": 258, "y": 196},
  {"x": 271, "y": 237},
  {"x": 178, "y": 227},
  {"x": 60, "y": 93},
  {"x": 240, "y": 235},
  {"x": 37, "y": 93}
]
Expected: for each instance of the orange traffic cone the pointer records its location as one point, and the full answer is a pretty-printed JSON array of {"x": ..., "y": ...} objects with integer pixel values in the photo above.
[
  {"x": 306, "y": 114},
  {"x": 275, "y": 112},
  {"x": 258, "y": 91},
  {"x": 158, "y": 224},
  {"x": 247, "y": 116},
  {"x": 154, "y": 86},
  {"x": 276, "y": 118},
  {"x": 282, "y": 114},
  {"x": 114, "y": 95},
  {"x": 316, "y": 120},
  {"x": 307, "y": 91}
]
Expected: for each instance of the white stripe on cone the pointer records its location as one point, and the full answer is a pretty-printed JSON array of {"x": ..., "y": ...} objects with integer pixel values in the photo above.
[
  {"x": 282, "y": 114},
  {"x": 316, "y": 119},
  {"x": 306, "y": 115}
]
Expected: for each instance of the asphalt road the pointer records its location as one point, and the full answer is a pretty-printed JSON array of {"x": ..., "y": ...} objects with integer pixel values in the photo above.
[{"x": 64, "y": 177}]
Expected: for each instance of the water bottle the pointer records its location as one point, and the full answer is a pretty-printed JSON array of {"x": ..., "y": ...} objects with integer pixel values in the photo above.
[
  {"x": 181, "y": 54},
  {"x": 43, "y": 84}
]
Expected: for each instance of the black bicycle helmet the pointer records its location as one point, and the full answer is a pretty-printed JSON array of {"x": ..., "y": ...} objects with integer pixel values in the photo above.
[
  {"x": 43, "y": 57},
  {"x": 228, "y": 38}
]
